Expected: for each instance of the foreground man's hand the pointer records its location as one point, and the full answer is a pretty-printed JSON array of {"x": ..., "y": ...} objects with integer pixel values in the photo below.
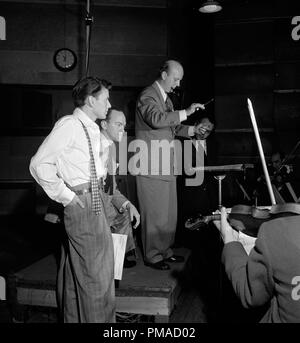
[{"x": 228, "y": 234}]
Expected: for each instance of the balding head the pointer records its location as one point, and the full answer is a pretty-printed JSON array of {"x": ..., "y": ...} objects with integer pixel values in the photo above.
[
  {"x": 113, "y": 126},
  {"x": 171, "y": 73}
]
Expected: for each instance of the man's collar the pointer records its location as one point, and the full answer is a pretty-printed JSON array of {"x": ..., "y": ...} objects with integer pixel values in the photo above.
[
  {"x": 105, "y": 141},
  {"x": 86, "y": 120},
  {"x": 163, "y": 93}
]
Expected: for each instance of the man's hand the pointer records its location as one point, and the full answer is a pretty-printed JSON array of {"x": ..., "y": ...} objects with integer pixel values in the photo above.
[
  {"x": 194, "y": 107},
  {"x": 133, "y": 213},
  {"x": 200, "y": 129},
  {"x": 76, "y": 201},
  {"x": 203, "y": 130},
  {"x": 228, "y": 234}
]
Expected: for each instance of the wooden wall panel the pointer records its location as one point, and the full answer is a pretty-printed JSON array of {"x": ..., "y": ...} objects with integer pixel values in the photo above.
[
  {"x": 287, "y": 141},
  {"x": 35, "y": 31},
  {"x": 130, "y": 40},
  {"x": 129, "y": 32},
  {"x": 36, "y": 27},
  {"x": 244, "y": 79},
  {"x": 287, "y": 75},
  {"x": 285, "y": 48},
  {"x": 256, "y": 57},
  {"x": 235, "y": 107},
  {"x": 105, "y": 3},
  {"x": 38, "y": 69},
  {"x": 242, "y": 145},
  {"x": 126, "y": 71},
  {"x": 17, "y": 152},
  {"x": 255, "y": 10},
  {"x": 244, "y": 42},
  {"x": 244, "y": 10},
  {"x": 287, "y": 112},
  {"x": 16, "y": 202}
]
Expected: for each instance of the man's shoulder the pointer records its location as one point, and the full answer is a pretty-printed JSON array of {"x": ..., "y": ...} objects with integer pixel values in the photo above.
[
  {"x": 67, "y": 122},
  {"x": 67, "y": 119},
  {"x": 149, "y": 90},
  {"x": 285, "y": 226}
]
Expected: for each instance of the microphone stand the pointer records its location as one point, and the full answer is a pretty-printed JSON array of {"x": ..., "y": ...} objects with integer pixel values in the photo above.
[{"x": 88, "y": 22}]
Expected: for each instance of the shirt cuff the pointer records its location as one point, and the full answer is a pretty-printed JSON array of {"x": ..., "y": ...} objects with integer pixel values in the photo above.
[
  {"x": 191, "y": 131},
  {"x": 182, "y": 115},
  {"x": 66, "y": 197},
  {"x": 123, "y": 207}
]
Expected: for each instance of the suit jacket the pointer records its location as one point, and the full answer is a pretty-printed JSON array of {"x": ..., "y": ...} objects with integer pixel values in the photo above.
[
  {"x": 117, "y": 198},
  {"x": 155, "y": 122},
  {"x": 271, "y": 273}
]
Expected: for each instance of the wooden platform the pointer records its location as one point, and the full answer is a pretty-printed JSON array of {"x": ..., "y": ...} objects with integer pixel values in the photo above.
[{"x": 142, "y": 290}]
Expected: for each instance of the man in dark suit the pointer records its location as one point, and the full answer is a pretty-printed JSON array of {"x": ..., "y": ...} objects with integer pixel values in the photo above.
[
  {"x": 270, "y": 274},
  {"x": 198, "y": 199},
  {"x": 120, "y": 211},
  {"x": 156, "y": 124}
]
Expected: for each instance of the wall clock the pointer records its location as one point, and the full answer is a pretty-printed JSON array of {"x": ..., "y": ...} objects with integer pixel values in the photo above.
[{"x": 65, "y": 59}]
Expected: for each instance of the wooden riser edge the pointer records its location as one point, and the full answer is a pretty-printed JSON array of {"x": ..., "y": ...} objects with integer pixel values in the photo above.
[{"x": 128, "y": 304}]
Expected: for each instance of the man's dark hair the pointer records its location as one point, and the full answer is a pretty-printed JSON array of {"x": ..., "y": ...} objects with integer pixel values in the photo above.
[
  {"x": 199, "y": 120},
  {"x": 88, "y": 86},
  {"x": 280, "y": 153},
  {"x": 108, "y": 116}
]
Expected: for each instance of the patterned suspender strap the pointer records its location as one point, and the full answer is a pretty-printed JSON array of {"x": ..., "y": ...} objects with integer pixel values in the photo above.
[{"x": 96, "y": 199}]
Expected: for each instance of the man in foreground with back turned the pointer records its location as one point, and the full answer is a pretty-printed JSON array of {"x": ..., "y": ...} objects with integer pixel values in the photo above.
[
  {"x": 157, "y": 121},
  {"x": 270, "y": 275},
  {"x": 68, "y": 167}
]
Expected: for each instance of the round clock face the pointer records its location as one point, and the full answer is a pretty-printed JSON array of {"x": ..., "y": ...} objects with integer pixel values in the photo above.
[{"x": 65, "y": 59}]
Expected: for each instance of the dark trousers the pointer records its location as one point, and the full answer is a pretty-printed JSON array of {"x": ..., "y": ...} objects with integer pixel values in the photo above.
[
  {"x": 85, "y": 283},
  {"x": 120, "y": 223},
  {"x": 158, "y": 208}
]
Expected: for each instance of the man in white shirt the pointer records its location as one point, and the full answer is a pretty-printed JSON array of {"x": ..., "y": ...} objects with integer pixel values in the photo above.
[
  {"x": 112, "y": 130},
  {"x": 67, "y": 166},
  {"x": 156, "y": 121}
]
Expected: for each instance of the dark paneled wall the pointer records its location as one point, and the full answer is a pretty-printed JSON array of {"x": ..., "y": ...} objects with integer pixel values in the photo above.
[
  {"x": 36, "y": 30},
  {"x": 128, "y": 43},
  {"x": 256, "y": 57},
  {"x": 129, "y": 40}
]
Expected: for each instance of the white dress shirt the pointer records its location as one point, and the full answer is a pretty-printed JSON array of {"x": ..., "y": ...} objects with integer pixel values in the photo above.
[
  {"x": 105, "y": 143},
  {"x": 63, "y": 158},
  {"x": 202, "y": 142},
  {"x": 182, "y": 113}
]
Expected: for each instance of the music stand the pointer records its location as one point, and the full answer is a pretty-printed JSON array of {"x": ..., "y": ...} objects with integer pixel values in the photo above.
[
  {"x": 220, "y": 174},
  {"x": 219, "y": 178}
]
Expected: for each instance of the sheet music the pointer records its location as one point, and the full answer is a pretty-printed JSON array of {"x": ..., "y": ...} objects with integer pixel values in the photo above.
[
  {"x": 248, "y": 242},
  {"x": 119, "y": 242}
]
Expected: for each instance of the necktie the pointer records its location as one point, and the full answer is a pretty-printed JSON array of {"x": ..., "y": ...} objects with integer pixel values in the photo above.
[
  {"x": 169, "y": 104},
  {"x": 96, "y": 200},
  {"x": 108, "y": 188}
]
